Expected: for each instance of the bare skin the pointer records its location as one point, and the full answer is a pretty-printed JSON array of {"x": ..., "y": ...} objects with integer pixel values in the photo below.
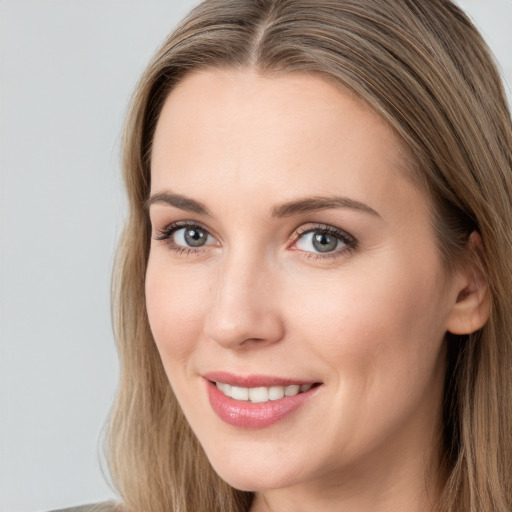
[{"x": 349, "y": 294}]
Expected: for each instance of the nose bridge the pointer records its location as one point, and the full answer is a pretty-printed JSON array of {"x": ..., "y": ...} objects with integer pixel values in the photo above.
[{"x": 243, "y": 308}]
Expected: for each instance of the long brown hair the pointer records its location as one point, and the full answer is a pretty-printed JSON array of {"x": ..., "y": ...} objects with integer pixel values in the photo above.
[{"x": 425, "y": 69}]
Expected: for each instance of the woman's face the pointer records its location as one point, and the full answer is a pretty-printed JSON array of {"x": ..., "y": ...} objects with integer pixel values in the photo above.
[{"x": 292, "y": 256}]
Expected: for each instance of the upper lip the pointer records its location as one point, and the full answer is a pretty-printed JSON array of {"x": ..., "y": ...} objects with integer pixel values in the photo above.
[{"x": 254, "y": 381}]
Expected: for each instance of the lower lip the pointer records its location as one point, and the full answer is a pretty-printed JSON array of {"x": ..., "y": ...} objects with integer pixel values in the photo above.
[{"x": 255, "y": 415}]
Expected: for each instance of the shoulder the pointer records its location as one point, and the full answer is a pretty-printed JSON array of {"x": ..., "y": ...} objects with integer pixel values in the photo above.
[{"x": 107, "y": 506}]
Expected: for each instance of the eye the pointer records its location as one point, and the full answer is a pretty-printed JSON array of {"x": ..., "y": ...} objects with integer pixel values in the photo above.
[
  {"x": 185, "y": 236},
  {"x": 324, "y": 240},
  {"x": 191, "y": 236}
]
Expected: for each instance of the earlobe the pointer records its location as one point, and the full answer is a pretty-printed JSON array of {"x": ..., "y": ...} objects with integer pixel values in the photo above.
[{"x": 471, "y": 309}]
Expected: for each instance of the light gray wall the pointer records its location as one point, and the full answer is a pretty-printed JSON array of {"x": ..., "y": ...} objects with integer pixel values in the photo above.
[{"x": 66, "y": 71}]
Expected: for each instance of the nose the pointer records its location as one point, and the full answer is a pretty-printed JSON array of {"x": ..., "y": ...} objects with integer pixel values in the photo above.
[{"x": 245, "y": 308}]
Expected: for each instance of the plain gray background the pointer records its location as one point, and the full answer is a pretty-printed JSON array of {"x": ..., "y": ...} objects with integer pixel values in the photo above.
[{"x": 67, "y": 69}]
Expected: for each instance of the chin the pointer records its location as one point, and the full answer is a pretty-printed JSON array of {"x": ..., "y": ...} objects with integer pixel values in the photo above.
[
  {"x": 247, "y": 473},
  {"x": 255, "y": 481}
]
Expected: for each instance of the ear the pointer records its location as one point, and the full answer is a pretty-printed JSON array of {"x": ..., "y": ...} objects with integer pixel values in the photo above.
[{"x": 472, "y": 307}]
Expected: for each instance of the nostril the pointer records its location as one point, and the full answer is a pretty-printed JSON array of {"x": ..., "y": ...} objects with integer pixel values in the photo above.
[{"x": 255, "y": 340}]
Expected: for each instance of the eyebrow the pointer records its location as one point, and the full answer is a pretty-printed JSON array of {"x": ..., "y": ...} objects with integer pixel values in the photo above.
[
  {"x": 296, "y": 207},
  {"x": 178, "y": 201},
  {"x": 311, "y": 204}
]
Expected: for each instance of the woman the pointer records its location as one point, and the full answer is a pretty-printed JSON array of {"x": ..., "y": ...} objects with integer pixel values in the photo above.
[{"x": 312, "y": 294}]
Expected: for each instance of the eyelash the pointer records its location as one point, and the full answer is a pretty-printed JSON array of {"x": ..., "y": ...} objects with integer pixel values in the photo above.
[
  {"x": 166, "y": 234},
  {"x": 351, "y": 244},
  {"x": 324, "y": 229}
]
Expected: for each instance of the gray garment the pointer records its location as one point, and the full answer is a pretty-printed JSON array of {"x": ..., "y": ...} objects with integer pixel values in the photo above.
[{"x": 107, "y": 506}]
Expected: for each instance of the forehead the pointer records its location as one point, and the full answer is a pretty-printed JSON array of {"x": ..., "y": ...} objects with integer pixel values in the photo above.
[{"x": 295, "y": 133}]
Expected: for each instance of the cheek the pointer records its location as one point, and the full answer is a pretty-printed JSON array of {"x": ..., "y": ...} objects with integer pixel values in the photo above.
[
  {"x": 378, "y": 330},
  {"x": 175, "y": 306},
  {"x": 378, "y": 336}
]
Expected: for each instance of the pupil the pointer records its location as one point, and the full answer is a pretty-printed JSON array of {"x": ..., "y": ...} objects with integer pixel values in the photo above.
[
  {"x": 324, "y": 242},
  {"x": 195, "y": 237}
]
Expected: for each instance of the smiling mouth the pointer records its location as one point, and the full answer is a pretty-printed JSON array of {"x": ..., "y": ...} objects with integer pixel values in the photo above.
[
  {"x": 262, "y": 394},
  {"x": 257, "y": 401}
]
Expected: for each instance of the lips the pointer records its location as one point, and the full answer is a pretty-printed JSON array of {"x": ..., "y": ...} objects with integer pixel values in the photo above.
[{"x": 256, "y": 401}]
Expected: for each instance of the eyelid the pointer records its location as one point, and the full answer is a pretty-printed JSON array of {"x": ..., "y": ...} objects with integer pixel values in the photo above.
[
  {"x": 174, "y": 226},
  {"x": 350, "y": 241},
  {"x": 166, "y": 234}
]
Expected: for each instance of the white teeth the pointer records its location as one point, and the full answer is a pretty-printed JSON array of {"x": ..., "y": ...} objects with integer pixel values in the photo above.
[
  {"x": 292, "y": 390},
  {"x": 239, "y": 393},
  {"x": 258, "y": 395},
  {"x": 225, "y": 388},
  {"x": 261, "y": 394},
  {"x": 276, "y": 392}
]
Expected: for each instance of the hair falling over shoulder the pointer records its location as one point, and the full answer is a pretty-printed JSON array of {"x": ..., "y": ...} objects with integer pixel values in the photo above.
[{"x": 427, "y": 71}]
